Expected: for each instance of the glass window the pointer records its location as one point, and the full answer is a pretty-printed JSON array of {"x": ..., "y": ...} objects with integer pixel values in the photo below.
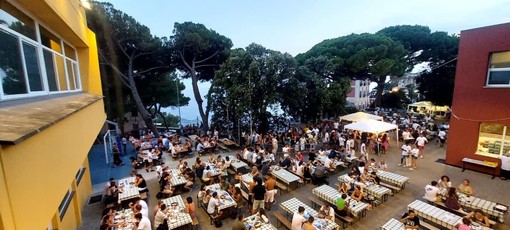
[
  {"x": 24, "y": 71},
  {"x": 61, "y": 73},
  {"x": 62, "y": 208},
  {"x": 50, "y": 70},
  {"x": 70, "y": 52},
  {"x": 11, "y": 70},
  {"x": 76, "y": 75},
  {"x": 49, "y": 40},
  {"x": 494, "y": 139},
  {"x": 499, "y": 69},
  {"x": 16, "y": 20},
  {"x": 70, "y": 75},
  {"x": 32, "y": 65}
]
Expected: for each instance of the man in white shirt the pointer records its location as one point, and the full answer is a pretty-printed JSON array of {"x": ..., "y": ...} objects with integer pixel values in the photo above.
[
  {"x": 213, "y": 203},
  {"x": 341, "y": 141},
  {"x": 328, "y": 163},
  {"x": 431, "y": 191},
  {"x": 406, "y": 149},
  {"x": 274, "y": 145},
  {"x": 420, "y": 142},
  {"x": 505, "y": 167},
  {"x": 298, "y": 219},
  {"x": 415, "y": 152},
  {"x": 442, "y": 138},
  {"x": 143, "y": 222},
  {"x": 363, "y": 152},
  {"x": 302, "y": 143}
]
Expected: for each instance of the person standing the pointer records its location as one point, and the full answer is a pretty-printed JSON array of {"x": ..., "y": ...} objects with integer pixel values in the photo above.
[
  {"x": 298, "y": 219},
  {"x": 116, "y": 157},
  {"x": 442, "y": 138},
  {"x": 259, "y": 192},
  {"x": 415, "y": 152},
  {"x": 420, "y": 142},
  {"x": 406, "y": 149},
  {"x": 505, "y": 167}
]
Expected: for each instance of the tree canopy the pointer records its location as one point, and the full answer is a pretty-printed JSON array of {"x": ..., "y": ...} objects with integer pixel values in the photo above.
[
  {"x": 439, "y": 49},
  {"x": 130, "y": 56},
  {"x": 198, "y": 51},
  {"x": 358, "y": 56}
]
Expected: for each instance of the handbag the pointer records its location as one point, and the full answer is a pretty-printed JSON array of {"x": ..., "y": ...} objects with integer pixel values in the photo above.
[{"x": 218, "y": 223}]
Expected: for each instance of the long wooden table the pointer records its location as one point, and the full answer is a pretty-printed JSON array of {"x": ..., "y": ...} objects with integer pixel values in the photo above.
[
  {"x": 434, "y": 214},
  {"x": 393, "y": 178},
  {"x": 488, "y": 207},
  {"x": 490, "y": 165},
  {"x": 253, "y": 220},
  {"x": 128, "y": 189},
  {"x": 291, "y": 206},
  {"x": 330, "y": 195},
  {"x": 177, "y": 216},
  {"x": 377, "y": 191},
  {"x": 393, "y": 224}
]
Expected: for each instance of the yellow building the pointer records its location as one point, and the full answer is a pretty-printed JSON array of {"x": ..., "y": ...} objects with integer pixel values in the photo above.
[{"x": 51, "y": 111}]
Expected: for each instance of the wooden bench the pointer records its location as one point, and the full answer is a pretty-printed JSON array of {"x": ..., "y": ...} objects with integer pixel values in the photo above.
[
  {"x": 427, "y": 225},
  {"x": 487, "y": 164},
  {"x": 346, "y": 220},
  {"x": 315, "y": 202},
  {"x": 280, "y": 219},
  {"x": 282, "y": 187},
  {"x": 231, "y": 172},
  {"x": 442, "y": 205},
  {"x": 394, "y": 189}
]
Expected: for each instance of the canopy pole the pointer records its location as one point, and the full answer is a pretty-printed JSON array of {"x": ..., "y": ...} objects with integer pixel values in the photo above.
[{"x": 397, "y": 137}]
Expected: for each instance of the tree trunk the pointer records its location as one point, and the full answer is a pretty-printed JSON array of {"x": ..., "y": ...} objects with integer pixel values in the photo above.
[
  {"x": 199, "y": 100},
  {"x": 149, "y": 122},
  {"x": 380, "y": 89}
]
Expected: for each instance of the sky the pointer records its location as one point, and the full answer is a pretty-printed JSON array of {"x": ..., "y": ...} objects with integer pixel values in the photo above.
[{"x": 295, "y": 26}]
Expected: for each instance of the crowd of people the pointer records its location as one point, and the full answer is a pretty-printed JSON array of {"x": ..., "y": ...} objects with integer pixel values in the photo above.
[{"x": 312, "y": 152}]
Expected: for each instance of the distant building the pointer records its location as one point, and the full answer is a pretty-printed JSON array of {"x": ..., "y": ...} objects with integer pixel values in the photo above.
[
  {"x": 480, "y": 121},
  {"x": 51, "y": 108},
  {"x": 359, "y": 96}
]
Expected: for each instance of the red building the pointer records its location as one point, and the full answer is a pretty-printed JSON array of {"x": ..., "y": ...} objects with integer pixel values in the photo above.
[{"x": 480, "y": 121}]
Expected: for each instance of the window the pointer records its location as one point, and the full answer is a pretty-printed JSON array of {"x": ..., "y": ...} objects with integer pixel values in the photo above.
[
  {"x": 499, "y": 70},
  {"x": 62, "y": 208},
  {"x": 33, "y": 64},
  {"x": 494, "y": 139},
  {"x": 79, "y": 175}
]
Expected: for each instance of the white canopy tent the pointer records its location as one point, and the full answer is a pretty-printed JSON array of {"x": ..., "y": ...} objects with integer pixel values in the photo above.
[
  {"x": 372, "y": 126},
  {"x": 360, "y": 116}
]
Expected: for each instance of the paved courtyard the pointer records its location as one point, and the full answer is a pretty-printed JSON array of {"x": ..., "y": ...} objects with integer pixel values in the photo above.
[{"x": 428, "y": 169}]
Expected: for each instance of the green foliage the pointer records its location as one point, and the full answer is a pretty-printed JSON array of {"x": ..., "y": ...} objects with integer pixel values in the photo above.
[
  {"x": 171, "y": 120},
  {"x": 248, "y": 83},
  {"x": 397, "y": 99},
  {"x": 194, "y": 46},
  {"x": 199, "y": 51},
  {"x": 437, "y": 86},
  {"x": 135, "y": 65},
  {"x": 437, "y": 48},
  {"x": 357, "y": 56}
]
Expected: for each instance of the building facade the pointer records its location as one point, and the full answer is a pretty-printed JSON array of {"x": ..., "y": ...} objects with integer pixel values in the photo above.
[
  {"x": 359, "y": 96},
  {"x": 480, "y": 118},
  {"x": 51, "y": 111}
]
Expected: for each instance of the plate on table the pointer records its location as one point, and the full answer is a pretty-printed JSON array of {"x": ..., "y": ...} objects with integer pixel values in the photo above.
[
  {"x": 222, "y": 197},
  {"x": 173, "y": 220},
  {"x": 174, "y": 204}
]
